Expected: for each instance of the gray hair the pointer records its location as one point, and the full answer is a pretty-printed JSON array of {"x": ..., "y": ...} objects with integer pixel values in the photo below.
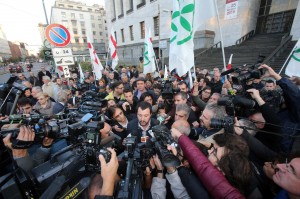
[
  {"x": 218, "y": 111},
  {"x": 46, "y": 77},
  {"x": 182, "y": 94},
  {"x": 62, "y": 96},
  {"x": 37, "y": 88},
  {"x": 185, "y": 108},
  {"x": 182, "y": 126}
]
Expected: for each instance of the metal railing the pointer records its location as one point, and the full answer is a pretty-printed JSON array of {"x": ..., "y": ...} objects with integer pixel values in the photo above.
[
  {"x": 245, "y": 37},
  {"x": 210, "y": 49},
  {"x": 283, "y": 45}
]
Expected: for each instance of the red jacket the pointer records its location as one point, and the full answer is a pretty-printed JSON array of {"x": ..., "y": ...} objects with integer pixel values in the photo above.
[{"x": 213, "y": 180}]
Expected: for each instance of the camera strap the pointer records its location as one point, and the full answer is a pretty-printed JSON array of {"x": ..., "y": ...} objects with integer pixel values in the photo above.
[{"x": 20, "y": 144}]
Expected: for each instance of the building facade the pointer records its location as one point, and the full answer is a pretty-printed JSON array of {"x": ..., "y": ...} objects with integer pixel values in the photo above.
[
  {"x": 130, "y": 18},
  {"x": 5, "y": 52},
  {"x": 83, "y": 22}
]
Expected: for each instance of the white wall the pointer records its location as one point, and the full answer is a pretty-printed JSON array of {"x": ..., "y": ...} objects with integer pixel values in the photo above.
[{"x": 296, "y": 24}]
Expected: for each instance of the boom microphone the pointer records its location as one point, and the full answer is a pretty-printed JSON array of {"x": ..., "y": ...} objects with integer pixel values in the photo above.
[
  {"x": 228, "y": 71},
  {"x": 93, "y": 104}
]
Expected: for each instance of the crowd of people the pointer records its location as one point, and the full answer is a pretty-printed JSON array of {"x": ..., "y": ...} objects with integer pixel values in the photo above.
[{"x": 226, "y": 150}]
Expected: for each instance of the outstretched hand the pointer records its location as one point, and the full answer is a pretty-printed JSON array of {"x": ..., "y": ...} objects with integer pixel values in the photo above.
[
  {"x": 270, "y": 72},
  {"x": 109, "y": 172}
]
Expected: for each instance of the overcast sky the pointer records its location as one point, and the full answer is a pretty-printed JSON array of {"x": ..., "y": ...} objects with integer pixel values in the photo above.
[{"x": 20, "y": 18}]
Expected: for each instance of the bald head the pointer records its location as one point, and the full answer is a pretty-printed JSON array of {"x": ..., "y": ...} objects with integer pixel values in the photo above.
[{"x": 183, "y": 126}]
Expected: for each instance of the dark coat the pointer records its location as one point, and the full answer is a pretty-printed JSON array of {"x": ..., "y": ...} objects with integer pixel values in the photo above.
[
  {"x": 134, "y": 129},
  {"x": 41, "y": 74},
  {"x": 213, "y": 180}
]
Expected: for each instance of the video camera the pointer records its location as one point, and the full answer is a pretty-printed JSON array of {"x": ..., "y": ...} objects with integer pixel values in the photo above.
[{"x": 167, "y": 88}]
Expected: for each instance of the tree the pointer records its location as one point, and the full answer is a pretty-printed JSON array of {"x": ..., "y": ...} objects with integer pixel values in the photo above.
[{"x": 86, "y": 66}]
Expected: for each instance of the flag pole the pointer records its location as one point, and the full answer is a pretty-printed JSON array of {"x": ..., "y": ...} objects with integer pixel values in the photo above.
[
  {"x": 106, "y": 58},
  {"x": 221, "y": 35},
  {"x": 288, "y": 58}
]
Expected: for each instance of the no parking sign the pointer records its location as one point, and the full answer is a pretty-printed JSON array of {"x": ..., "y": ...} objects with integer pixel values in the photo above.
[{"x": 58, "y": 35}]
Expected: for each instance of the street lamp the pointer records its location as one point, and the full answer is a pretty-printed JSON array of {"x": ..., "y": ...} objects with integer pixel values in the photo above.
[{"x": 45, "y": 13}]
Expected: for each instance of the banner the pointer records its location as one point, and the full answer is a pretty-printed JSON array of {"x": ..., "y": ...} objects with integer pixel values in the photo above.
[
  {"x": 187, "y": 17},
  {"x": 293, "y": 67},
  {"x": 231, "y": 9}
]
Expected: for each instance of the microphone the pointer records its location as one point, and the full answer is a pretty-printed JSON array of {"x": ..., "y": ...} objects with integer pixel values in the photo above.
[
  {"x": 54, "y": 187},
  {"x": 78, "y": 188},
  {"x": 94, "y": 104},
  {"x": 228, "y": 71}
]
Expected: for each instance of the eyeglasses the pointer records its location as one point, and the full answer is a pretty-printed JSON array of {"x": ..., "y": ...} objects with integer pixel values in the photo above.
[
  {"x": 290, "y": 169},
  {"x": 214, "y": 152},
  {"x": 207, "y": 92}
]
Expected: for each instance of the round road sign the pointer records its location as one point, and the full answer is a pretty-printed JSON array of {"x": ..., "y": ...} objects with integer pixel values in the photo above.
[{"x": 57, "y": 35}]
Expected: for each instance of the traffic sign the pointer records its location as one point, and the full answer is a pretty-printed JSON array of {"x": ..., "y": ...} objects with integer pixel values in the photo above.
[
  {"x": 63, "y": 61},
  {"x": 57, "y": 35},
  {"x": 66, "y": 71},
  {"x": 61, "y": 52}
]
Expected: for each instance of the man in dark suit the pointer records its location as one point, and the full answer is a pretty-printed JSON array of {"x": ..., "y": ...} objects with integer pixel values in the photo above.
[
  {"x": 42, "y": 73},
  {"x": 141, "y": 126}
]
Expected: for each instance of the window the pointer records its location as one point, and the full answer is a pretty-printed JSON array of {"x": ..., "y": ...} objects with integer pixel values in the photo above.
[
  {"x": 100, "y": 25},
  {"x": 116, "y": 36},
  {"x": 101, "y": 40},
  {"x": 122, "y": 35},
  {"x": 104, "y": 21},
  {"x": 75, "y": 32},
  {"x": 130, "y": 6},
  {"x": 99, "y": 18},
  {"x": 121, "y": 7},
  {"x": 156, "y": 26},
  {"x": 82, "y": 24},
  {"x": 105, "y": 28},
  {"x": 93, "y": 25},
  {"x": 72, "y": 15},
  {"x": 81, "y": 16},
  {"x": 79, "y": 8},
  {"x": 90, "y": 9},
  {"x": 63, "y": 14},
  {"x": 100, "y": 33},
  {"x": 142, "y": 26},
  {"x": 92, "y": 17},
  {"x": 74, "y": 23},
  {"x": 84, "y": 40},
  {"x": 70, "y": 6},
  {"x": 113, "y": 10},
  {"x": 94, "y": 32},
  {"x": 76, "y": 40},
  {"x": 141, "y": 3},
  {"x": 95, "y": 40},
  {"x": 131, "y": 33},
  {"x": 83, "y": 32},
  {"x": 61, "y": 5}
]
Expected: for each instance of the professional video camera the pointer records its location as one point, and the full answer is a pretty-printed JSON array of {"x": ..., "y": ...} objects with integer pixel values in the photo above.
[
  {"x": 67, "y": 168},
  {"x": 10, "y": 93},
  {"x": 236, "y": 105},
  {"x": 42, "y": 126},
  {"x": 245, "y": 73},
  {"x": 167, "y": 88},
  {"x": 227, "y": 123}
]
